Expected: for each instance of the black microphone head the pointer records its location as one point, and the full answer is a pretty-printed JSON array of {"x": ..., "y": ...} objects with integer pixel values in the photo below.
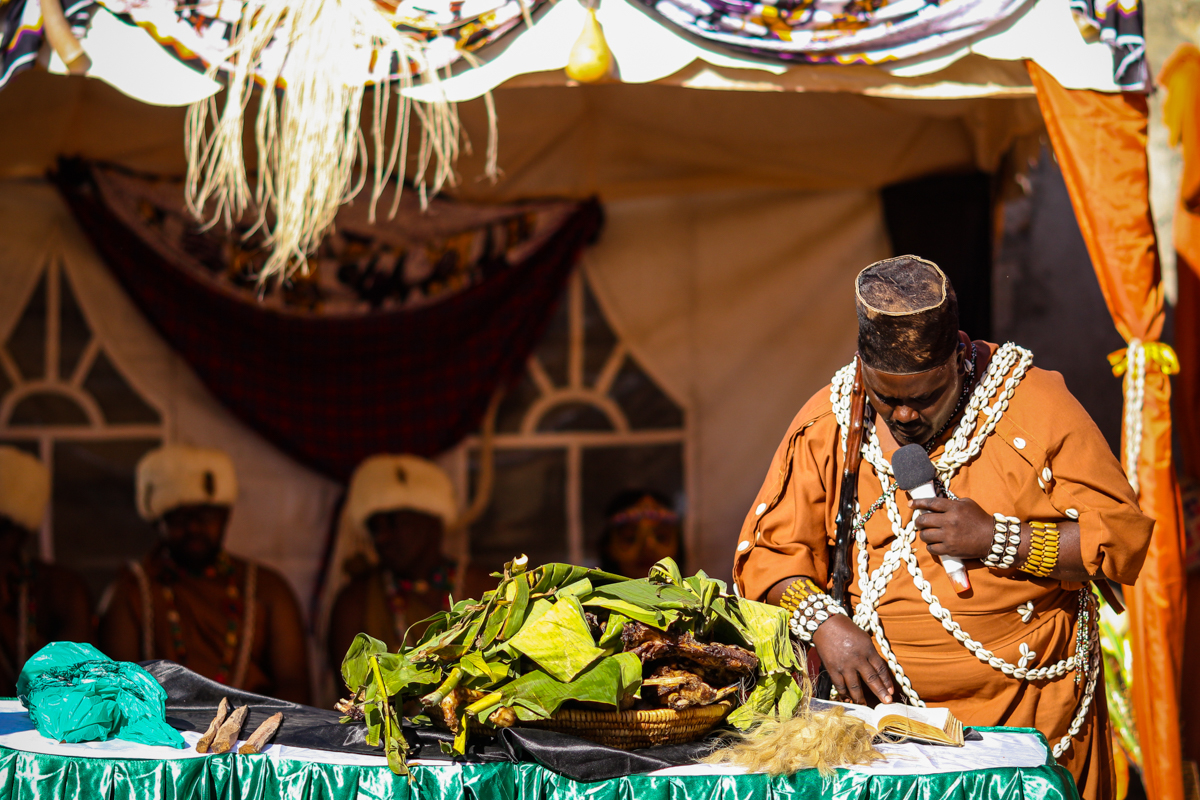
[{"x": 912, "y": 467}]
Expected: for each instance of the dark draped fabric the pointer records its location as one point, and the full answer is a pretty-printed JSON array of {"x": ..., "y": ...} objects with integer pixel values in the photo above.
[{"x": 330, "y": 389}]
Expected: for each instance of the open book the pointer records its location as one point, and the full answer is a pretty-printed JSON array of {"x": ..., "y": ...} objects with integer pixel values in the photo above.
[{"x": 900, "y": 723}]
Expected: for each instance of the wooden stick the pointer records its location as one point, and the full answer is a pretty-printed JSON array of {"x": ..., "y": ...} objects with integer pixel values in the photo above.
[
  {"x": 207, "y": 739},
  {"x": 227, "y": 736},
  {"x": 258, "y": 740}
]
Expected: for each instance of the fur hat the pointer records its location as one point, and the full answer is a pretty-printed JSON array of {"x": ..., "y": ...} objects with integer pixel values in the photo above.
[
  {"x": 398, "y": 483},
  {"x": 24, "y": 488},
  {"x": 907, "y": 315},
  {"x": 179, "y": 475},
  {"x": 380, "y": 484}
]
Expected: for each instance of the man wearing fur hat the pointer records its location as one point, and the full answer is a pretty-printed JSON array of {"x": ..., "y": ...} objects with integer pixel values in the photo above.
[
  {"x": 189, "y": 600},
  {"x": 41, "y": 602},
  {"x": 1030, "y": 498},
  {"x": 389, "y": 569}
]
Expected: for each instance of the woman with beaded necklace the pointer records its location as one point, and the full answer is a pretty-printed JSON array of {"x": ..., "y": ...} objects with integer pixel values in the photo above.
[{"x": 1031, "y": 499}]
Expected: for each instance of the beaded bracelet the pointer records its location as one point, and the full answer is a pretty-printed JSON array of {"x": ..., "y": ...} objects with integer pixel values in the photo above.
[
  {"x": 1006, "y": 540},
  {"x": 797, "y": 592},
  {"x": 1043, "y": 550},
  {"x": 813, "y": 611}
]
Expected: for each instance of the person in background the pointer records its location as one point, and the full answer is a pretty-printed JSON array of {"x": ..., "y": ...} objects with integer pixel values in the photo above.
[
  {"x": 388, "y": 569},
  {"x": 640, "y": 530},
  {"x": 41, "y": 602},
  {"x": 189, "y": 600}
]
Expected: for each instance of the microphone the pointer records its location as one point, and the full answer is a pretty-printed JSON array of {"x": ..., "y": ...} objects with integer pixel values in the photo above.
[{"x": 915, "y": 474}]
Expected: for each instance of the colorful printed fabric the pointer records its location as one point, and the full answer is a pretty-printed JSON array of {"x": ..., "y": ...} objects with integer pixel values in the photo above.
[
  {"x": 837, "y": 31},
  {"x": 1117, "y": 23},
  {"x": 198, "y": 31},
  {"x": 392, "y": 361},
  {"x": 21, "y": 32}
]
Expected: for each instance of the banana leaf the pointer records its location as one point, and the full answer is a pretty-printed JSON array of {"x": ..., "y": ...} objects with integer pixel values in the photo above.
[
  {"x": 529, "y": 645},
  {"x": 537, "y": 695},
  {"x": 642, "y": 593},
  {"x": 774, "y": 695},
  {"x": 648, "y": 616},
  {"x": 767, "y": 627},
  {"x": 355, "y": 667},
  {"x": 559, "y": 641}
]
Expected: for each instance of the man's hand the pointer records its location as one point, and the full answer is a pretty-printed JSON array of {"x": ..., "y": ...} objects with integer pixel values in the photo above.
[
  {"x": 851, "y": 660},
  {"x": 958, "y": 528}
]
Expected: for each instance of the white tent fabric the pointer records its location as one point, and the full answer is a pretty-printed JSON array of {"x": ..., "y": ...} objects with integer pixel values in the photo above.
[
  {"x": 740, "y": 305},
  {"x": 283, "y": 515}
]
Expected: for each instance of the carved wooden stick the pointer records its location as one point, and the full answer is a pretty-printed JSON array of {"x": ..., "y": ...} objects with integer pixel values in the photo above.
[
  {"x": 227, "y": 736},
  {"x": 207, "y": 739},
  {"x": 258, "y": 740}
]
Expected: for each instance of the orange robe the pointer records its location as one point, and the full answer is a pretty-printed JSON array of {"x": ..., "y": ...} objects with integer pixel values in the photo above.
[{"x": 1044, "y": 432}]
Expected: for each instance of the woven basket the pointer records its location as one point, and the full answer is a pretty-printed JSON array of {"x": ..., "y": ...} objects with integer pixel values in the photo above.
[{"x": 630, "y": 730}]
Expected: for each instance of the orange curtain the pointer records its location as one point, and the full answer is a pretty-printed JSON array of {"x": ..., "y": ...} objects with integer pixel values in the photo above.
[
  {"x": 1181, "y": 109},
  {"x": 1100, "y": 142}
]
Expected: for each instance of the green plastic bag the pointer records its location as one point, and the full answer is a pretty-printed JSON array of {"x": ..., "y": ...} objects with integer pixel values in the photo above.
[{"x": 75, "y": 693}]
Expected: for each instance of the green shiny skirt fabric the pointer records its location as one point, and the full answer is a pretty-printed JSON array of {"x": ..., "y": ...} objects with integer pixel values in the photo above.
[{"x": 51, "y": 777}]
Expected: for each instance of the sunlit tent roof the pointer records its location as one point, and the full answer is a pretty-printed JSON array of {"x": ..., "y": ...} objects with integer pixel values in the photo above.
[{"x": 963, "y": 48}]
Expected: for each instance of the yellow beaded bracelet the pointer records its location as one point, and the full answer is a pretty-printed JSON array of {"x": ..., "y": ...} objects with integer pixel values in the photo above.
[
  {"x": 1043, "y": 549},
  {"x": 797, "y": 592}
]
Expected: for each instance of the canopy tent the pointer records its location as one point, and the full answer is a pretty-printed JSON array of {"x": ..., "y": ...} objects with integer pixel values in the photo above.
[{"x": 729, "y": 212}]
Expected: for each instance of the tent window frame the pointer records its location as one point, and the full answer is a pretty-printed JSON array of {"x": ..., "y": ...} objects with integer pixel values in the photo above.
[
  {"x": 574, "y": 442},
  {"x": 69, "y": 386}
]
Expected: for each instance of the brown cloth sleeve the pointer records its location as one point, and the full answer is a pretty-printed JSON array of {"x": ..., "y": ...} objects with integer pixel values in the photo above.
[
  {"x": 1083, "y": 477},
  {"x": 785, "y": 533}
]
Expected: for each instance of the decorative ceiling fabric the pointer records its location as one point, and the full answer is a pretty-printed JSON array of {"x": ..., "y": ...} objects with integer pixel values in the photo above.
[
  {"x": 1119, "y": 24},
  {"x": 885, "y": 32},
  {"x": 396, "y": 340},
  {"x": 22, "y": 32},
  {"x": 198, "y": 31},
  {"x": 838, "y": 31}
]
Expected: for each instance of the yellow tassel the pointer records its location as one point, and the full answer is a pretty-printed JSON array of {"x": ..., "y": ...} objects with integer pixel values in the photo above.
[{"x": 591, "y": 60}]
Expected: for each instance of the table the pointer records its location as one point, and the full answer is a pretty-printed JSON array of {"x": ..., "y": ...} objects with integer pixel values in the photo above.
[{"x": 1009, "y": 764}]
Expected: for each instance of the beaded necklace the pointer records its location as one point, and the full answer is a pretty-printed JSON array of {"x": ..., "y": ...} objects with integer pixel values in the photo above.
[
  {"x": 963, "y": 393},
  {"x": 232, "y": 607},
  {"x": 962, "y": 448},
  {"x": 440, "y": 582}
]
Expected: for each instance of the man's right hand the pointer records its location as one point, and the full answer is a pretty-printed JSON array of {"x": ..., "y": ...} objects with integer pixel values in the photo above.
[{"x": 851, "y": 661}]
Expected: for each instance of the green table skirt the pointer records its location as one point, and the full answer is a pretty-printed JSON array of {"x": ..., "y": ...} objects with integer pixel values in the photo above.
[{"x": 50, "y": 777}]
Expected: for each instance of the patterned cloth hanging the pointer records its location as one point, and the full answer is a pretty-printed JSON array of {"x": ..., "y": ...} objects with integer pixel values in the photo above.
[
  {"x": 197, "y": 31},
  {"x": 1119, "y": 24},
  {"x": 395, "y": 342},
  {"x": 22, "y": 32}
]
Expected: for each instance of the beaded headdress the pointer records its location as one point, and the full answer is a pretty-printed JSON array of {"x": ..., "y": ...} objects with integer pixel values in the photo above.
[{"x": 907, "y": 315}]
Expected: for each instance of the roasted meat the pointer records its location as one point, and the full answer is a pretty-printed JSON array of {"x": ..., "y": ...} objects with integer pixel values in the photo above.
[
  {"x": 678, "y": 688},
  {"x": 719, "y": 664}
]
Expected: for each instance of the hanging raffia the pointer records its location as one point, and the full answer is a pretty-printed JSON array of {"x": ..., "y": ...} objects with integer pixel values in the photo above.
[{"x": 320, "y": 54}]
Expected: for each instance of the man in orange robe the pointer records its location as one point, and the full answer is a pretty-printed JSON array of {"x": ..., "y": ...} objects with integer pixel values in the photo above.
[{"x": 1006, "y": 439}]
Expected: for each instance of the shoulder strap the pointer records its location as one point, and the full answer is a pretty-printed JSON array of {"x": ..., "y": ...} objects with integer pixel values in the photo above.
[
  {"x": 248, "y": 625},
  {"x": 143, "y": 581}
]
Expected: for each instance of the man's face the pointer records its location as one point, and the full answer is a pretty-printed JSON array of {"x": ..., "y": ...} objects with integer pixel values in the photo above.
[
  {"x": 409, "y": 543},
  {"x": 195, "y": 534},
  {"x": 915, "y": 407}
]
